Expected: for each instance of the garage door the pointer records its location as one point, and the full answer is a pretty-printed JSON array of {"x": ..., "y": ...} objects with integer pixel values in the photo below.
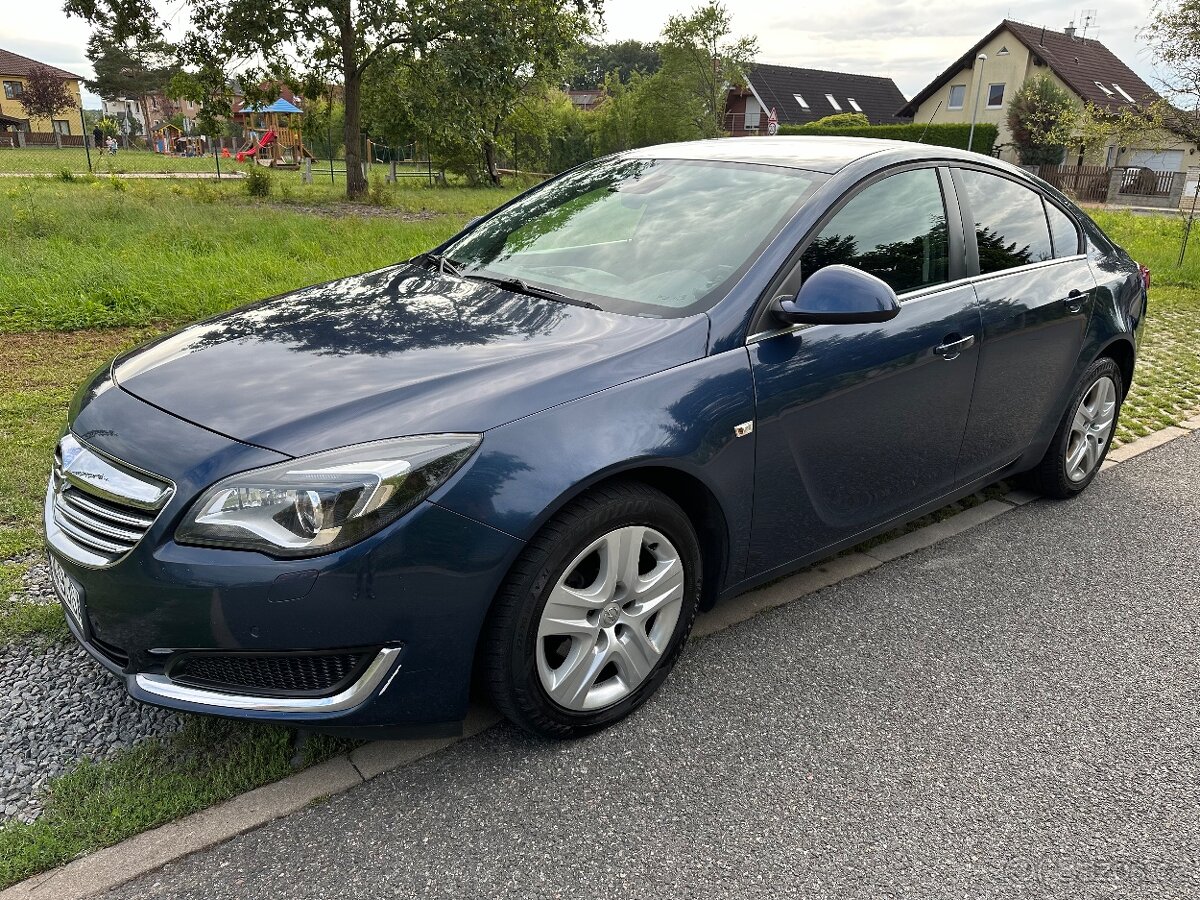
[{"x": 1158, "y": 160}]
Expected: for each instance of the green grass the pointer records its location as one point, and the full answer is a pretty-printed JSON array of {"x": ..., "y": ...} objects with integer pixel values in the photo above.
[
  {"x": 1154, "y": 241},
  {"x": 157, "y": 781},
  {"x": 116, "y": 253},
  {"x": 52, "y": 161}
]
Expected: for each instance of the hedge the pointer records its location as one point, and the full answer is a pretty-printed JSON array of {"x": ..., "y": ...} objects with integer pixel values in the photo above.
[{"x": 948, "y": 134}]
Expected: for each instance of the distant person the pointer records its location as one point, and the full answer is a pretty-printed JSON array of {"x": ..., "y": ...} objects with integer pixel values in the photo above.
[
  {"x": 97, "y": 137},
  {"x": 112, "y": 146}
]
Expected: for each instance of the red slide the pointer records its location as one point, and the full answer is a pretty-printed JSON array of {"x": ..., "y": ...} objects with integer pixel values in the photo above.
[{"x": 253, "y": 150}]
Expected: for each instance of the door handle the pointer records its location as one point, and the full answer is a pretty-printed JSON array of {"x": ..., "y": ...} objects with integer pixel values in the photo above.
[
  {"x": 1074, "y": 300},
  {"x": 949, "y": 349}
]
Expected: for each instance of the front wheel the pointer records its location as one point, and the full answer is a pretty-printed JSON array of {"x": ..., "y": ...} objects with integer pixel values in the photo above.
[
  {"x": 594, "y": 613},
  {"x": 1084, "y": 434}
]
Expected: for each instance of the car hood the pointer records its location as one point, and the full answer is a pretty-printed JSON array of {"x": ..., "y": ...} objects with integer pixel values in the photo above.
[{"x": 395, "y": 352}]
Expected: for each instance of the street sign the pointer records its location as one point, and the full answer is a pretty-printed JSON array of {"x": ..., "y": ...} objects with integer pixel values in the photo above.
[{"x": 772, "y": 122}]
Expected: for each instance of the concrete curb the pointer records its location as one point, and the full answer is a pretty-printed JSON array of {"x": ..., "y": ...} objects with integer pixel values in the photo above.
[{"x": 113, "y": 866}]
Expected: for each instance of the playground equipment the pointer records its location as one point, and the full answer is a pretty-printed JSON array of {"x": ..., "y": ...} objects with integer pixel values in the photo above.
[
  {"x": 280, "y": 145},
  {"x": 164, "y": 138}
]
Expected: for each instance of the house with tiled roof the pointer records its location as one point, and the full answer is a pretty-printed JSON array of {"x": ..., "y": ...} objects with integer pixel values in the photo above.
[
  {"x": 14, "y": 75},
  {"x": 1084, "y": 67},
  {"x": 799, "y": 96}
]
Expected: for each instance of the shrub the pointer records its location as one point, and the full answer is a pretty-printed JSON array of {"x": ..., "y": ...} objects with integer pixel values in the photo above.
[
  {"x": 377, "y": 192},
  {"x": 66, "y": 175},
  {"x": 258, "y": 181},
  {"x": 946, "y": 134},
  {"x": 841, "y": 120}
]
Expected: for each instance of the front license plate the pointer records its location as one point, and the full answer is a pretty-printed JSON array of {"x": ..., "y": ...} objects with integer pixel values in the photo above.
[{"x": 69, "y": 593}]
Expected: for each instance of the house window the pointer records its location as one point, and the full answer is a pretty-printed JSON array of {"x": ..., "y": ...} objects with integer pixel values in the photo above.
[
  {"x": 833, "y": 102},
  {"x": 13, "y": 90},
  {"x": 1107, "y": 92},
  {"x": 854, "y": 104},
  {"x": 752, "y": 114},
  {"x": 995, "y": 96},
  {"x": 1124, "y": 93},
  {"x": 62, "y": 126},
  {"x": 958, "y": 93},
  {"x": 801, "y": 101}
]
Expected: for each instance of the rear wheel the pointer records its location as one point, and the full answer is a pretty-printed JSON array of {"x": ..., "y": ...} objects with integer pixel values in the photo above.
[
  {"x": 1084, "y": 434},
  {"x": 595, "y": 612}
]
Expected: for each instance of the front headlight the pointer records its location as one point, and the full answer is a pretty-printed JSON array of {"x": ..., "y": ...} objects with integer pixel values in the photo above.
[{"x": 319, "y": 503}]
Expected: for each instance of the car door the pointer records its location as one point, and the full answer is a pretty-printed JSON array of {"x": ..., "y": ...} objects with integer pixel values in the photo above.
[
  {"x": 858, "y": 424},
  {"x": 1035, "y": 291}
]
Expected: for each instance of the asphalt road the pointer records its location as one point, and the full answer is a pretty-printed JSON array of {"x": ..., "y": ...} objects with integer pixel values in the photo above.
[{"x": 1011, "y": 713}]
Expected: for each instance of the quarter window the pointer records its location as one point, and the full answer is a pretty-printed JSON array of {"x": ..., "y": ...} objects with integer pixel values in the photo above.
[
  {"x": 1010, "y": 224},
  {"x": 958, "y": 93},
  {"x": 1063, "y": 231},
  {"x": 894, "y": 229}
]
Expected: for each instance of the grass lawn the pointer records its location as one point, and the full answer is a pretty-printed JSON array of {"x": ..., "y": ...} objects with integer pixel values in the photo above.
[
  {"x": 52, "y": 161},
  {"x": 148, "y": 255}
]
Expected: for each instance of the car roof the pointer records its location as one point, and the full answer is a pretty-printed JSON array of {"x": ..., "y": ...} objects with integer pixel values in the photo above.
[{"x": 815, "y": 153}]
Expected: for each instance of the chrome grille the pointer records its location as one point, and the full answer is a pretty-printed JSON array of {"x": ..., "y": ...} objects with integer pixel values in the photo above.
[{"x": 100, "y": 508}]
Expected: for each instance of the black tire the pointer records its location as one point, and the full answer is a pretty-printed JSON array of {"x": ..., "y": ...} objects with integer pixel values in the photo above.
[
  {"x": 509, "y": 643},
  {"x": 1050, "y": 477}
]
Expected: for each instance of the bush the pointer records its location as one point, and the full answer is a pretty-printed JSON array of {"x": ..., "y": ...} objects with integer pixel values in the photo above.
[
  {"x": 947, "y": 134},
  {"x": 841, "y": 120},
  {"x": 258, "y": 181}
]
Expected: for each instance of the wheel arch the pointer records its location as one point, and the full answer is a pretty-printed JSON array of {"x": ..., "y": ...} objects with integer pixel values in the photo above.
[{"x": 1121, "y": 351}]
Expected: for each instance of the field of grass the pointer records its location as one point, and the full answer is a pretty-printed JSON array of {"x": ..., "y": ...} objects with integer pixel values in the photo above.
[
  {"x": 111, "y": 252},
  {"x": 52, "y": 161}
]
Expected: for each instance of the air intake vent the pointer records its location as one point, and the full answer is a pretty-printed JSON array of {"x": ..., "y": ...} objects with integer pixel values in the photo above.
[{"x": 274, "y": 674}]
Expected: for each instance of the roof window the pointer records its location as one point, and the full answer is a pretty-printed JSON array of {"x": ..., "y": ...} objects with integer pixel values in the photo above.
[
  {"x": 833, "y": 102},
  {"x": 1103, "y": 88},
  {"x": 801, "y": 101},
  {"x": 1124, "y": 93},
  {"x": 854, "y": 104}
]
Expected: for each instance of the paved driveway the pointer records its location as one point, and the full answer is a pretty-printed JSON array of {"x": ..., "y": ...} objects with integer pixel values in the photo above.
[{"x": 1012, "y": 712}]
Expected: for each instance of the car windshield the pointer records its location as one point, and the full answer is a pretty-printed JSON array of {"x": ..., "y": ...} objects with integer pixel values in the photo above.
[{"x": 651, "y": 237}]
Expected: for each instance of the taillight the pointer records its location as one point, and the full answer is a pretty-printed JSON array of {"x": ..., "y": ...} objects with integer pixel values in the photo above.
[{"x": 1145, "y": 273}]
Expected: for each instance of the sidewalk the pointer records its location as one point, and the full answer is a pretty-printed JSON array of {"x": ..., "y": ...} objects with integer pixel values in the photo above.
[{"x": 1010, "y": 712}]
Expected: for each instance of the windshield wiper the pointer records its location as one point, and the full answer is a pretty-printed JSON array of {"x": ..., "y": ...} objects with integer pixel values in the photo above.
[
  {"x": 442, "y": 262},
  {"x": 512, "y": 283}
]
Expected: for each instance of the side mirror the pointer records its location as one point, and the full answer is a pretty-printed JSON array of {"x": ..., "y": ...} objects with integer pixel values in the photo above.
[{"x": 838, "y": 295}]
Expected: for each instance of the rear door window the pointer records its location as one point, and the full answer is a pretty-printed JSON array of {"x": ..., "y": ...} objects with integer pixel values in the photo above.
[
  {"x": 1063, "y": 231},
  {"x": 1010, "y": 222}
]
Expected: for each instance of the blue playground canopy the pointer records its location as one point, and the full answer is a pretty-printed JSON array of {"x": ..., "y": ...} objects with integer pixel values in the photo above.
[{"x": 279, "y": 106}]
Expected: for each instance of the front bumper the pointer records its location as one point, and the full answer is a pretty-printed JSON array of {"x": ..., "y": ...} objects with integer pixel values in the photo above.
[{"x": 416, "y": 594}]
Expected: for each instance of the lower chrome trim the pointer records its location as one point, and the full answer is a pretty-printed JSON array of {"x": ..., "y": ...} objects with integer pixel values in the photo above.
[{"x": 381, "y": 665}]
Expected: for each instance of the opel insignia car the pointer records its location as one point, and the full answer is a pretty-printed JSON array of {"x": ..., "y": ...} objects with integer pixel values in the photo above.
[{"x": 526, "y": 459}]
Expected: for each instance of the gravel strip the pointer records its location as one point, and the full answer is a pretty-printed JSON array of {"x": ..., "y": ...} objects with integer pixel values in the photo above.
[
  {"x": 58, "y": 706},
  {"x": 35, "y": 584}
]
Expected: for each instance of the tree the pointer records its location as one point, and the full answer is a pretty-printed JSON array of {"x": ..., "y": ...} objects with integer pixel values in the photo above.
[
  {"x": 45, "y": 95},
  {"x": 1173, "y": 33},
  {"x": 132, "y": 67},
  {"x": 594, "y": 62},
  {"x": 1042, "y": 118},
  {"x": 698, "y": 53},
  {"x": 461, "y": 94},
  {"x": 1125, "y": 126}
]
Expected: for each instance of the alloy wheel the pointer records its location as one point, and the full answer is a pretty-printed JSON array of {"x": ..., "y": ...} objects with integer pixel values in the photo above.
[
  {"x": 609, "y": 618},
  {"x": 1090, "y": 429}
]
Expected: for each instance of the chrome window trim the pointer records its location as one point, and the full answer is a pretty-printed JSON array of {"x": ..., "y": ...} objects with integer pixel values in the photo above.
[
  {"x": 355, "y": 694},
  {"x": 922, "y": 293}
]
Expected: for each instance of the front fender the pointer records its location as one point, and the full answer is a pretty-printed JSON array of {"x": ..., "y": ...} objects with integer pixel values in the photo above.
[{"x": 682, "y": 418}]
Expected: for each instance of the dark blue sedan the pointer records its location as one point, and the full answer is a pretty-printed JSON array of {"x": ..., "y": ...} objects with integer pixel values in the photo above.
[{"x": 526, "y": 459}]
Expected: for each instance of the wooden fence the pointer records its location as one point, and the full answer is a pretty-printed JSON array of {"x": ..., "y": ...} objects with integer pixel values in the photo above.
[
  {"x": 1147, "y": 182},
  {"x": 1086, "y": 183}
]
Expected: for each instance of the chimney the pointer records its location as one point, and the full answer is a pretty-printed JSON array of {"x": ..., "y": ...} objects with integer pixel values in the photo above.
[{"x": 1069, "y": 31}]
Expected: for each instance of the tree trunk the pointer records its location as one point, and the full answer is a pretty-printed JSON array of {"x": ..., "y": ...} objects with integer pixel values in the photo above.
[
  {"x": 356, "y": 182},
  {"x": 489, "y": 161}
]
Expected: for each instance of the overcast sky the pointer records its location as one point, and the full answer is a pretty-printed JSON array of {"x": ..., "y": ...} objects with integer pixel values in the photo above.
[{"x": 910, "y": 41}]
